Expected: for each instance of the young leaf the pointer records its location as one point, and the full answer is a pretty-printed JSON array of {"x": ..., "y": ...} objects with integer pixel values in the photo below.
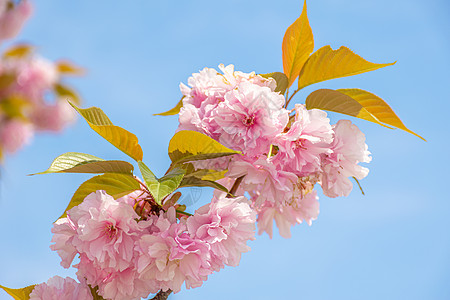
[
  {"x": 161, "y": 187},
  {"x": 189, "y": 145},
  {"x": 119, "y": 137},
  {"x": 19, "y": 294},
  {"x": 68, "y": 68},
  {"x": 63, "y": 91},
  {"x": 172, "y": 111},
  {"x": 74, "y": 162},
  {"x": 14, "y": 107},
  {"x": 377, "y": 107},
  {"x": 357, "y": 103},
  {"x": 281, "y": 79},
  {"x": 115, "y": 185},
  {"x": 326, "y": 64},
  {"x": 194, "y": 181},
  {"x": 18, "y": 51},
  {"x": 298, "y": 44}
]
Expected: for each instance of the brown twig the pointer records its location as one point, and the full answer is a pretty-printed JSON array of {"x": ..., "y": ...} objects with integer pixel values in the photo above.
[
  {"x": 235, "y": 187},
  {"x": 162, "y": 295}
]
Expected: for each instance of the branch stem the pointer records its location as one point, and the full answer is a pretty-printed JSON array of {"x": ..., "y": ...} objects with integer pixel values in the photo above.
[
  {"x": 235, "y": 186},
  {"x": 290, "y": 98},
  {"x": 162, "y": 295}
]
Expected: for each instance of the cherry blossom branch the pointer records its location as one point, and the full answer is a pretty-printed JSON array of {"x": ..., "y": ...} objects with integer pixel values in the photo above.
[{"x": 162, "y": 295}]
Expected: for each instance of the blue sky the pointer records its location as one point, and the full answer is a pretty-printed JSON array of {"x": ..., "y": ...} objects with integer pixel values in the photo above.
[{"x": 392, "y": 243}]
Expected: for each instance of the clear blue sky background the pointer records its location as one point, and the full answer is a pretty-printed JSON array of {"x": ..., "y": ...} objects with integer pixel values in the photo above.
[{"x": 393, "y": 243}]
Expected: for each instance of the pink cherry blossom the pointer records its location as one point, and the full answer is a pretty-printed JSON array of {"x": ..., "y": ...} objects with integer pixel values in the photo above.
[
  {"x": 53, "y": 117},
  {"x": 113, "y": 284},
  {"x": 300, "y": 148},
  {"x": 304, "y": 208},
  {"x": 106, "y": 230},
  {"x": 250, "y": 117},
  {"x": 64, "y": 231},
  {"x": 58, "y": 288},
  {"x": 349, "y": 149},
  {"x": 35, "y": 76},
  {"x": 207, "y": 90},
  {"x": 169, "y": 256},
  {"x": 12, "y": 17},
  {"x": 226, "y": 224},
  {"x": 264, "y": 180},
  {"x": 14, "y": 134}
]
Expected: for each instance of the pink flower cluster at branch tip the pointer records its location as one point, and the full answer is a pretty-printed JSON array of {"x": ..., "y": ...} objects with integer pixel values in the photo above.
[
  {"x": 129, "y": 257},
  {"x": 32, "y": 96},
  {"x": 285, "y": 153}
]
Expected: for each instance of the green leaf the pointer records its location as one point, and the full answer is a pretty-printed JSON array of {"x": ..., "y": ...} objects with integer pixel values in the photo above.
[
  {"x": 357, "y": 103},
  {"x": 189, "y": 145},
  {"x": 161, "y": 187},
  {"x": 63, "y": 91},
  {"x": 326, "y": 64},
  {"x": 172, "y": 111},
  {"x": 194, "y": 181},
  {"x": 298, "y": 44},
  {"x": 115, "y": 185},
  {"x": 19, "y": 294},
  {"x": 74, "y": 162},
  {"x": 281, "y": 79},
  {"x": 119, "y": 137}
]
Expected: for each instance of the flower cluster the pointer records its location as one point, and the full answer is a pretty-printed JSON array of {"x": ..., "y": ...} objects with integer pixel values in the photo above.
[
  {"x": 285, "y": 152},
  {"x": 129, "y": 252},
  {"x": 32, "y": 96}
]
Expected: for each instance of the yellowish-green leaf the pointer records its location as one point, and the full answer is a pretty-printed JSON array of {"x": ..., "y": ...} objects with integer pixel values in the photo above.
[
  {"x": 326, "y": 64},
  {"x": 377, "y": 107},
  {"x": 281, "y": 79},
  {"x": 298, "y": 44},
  {"x": 69, "y": 68},
  {"x": 357, "y": 103},
  {"x": 6, "y": 79},
  {"x": 115, "y": 185},
  {"x": 63, "y": 91},
  {"x": 74, "y": 162},
  {"x": 119, "y": 137},
  {"x": 19, "y": 51},
  {"x": 15, "y": 107},
  {"x": 214, "y": 175},
  {"x": 19, "y": 294},
  {"x": 205, "y": 174},
  {"x": 194, "y": 181},
  {"x": 189, "y": 145},
  {"x": 161, "y": 187},
  {"x": 172, "y": 111}
]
